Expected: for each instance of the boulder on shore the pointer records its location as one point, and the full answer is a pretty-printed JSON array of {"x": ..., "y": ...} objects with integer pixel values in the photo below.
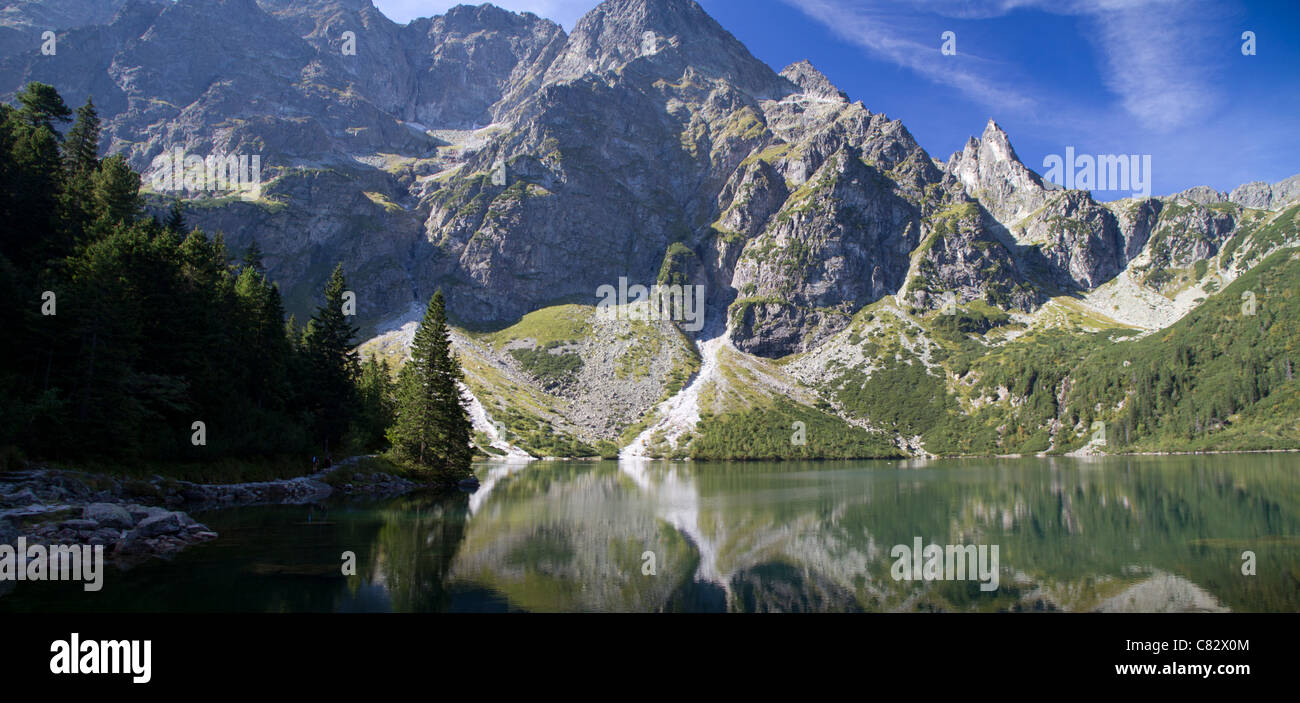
[
  {"x": 165, "y": 524},
  {"x": 109, "y": 515}
]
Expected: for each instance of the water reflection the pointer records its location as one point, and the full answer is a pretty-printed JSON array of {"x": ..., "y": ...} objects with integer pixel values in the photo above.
[
  {"x": 1115, "y": 534},
  {"x": 1109, "y": 534}
]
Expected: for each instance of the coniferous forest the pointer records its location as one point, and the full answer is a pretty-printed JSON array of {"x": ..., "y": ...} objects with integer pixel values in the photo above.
[{"x": 133, "y": 338}]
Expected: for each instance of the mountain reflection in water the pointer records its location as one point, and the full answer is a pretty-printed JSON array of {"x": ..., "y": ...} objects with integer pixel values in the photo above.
[{"x": 1105, "y": 534}]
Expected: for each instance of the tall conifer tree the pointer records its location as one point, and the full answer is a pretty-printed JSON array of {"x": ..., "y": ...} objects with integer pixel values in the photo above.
[
  {"x": 331, "y": 348},
  {"x": 81, "y": 144},
  {"x": 432, "y": 428}
]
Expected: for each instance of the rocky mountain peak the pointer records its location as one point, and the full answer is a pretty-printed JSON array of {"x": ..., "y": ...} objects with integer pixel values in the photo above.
[
  {"x": 1264, "y": 196},
  {"x": 992, "y": 173},
  {"x": 468, "y": 20},
  {"x": 671, "y": 34},
  {"x": 479, "y": 15},
  {"x": 998, "y": 143},
  {"x": 1203, "y": 195},
  {"x": 666, "y": 16},
  {"x": 813, "y": 82}
]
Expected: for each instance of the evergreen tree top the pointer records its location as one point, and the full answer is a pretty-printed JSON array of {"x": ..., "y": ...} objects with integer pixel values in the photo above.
[
  {"x": 176, "y": 218},
  {"x": 253, "y": 257},
  {"x": 42, "y": 106},
  {"x": 81, "y": 144}
]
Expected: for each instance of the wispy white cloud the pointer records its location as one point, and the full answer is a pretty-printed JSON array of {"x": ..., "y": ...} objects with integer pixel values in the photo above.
[
  {"x": 1154, "y": 57},
  {"x": 565, "y": 12},
  {"x": 1152, "y": 52},
  {"x": 882, "y": 30}
]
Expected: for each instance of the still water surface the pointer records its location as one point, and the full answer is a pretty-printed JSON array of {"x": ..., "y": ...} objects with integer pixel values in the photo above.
[{"x": 1110, "y": 534}]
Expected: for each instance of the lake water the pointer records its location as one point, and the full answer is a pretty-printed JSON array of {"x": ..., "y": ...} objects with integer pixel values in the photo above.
[{"x": 1111, "y": 534}]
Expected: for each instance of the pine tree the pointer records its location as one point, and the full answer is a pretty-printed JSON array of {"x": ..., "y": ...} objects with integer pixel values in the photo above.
[
  {"x": 116, "y": 190},
  {"x": 33, "y": 181},
  {"x": 432, "y": 429},
  {"x": 253, "y": 257},
  {"x": 176, "y": 219},
  {"x": 81, "y": 144},
  {"x": 204, "y": 261},
  {"x": 330, "y": 342},
  {"x": 291, "y": 332},
  {"x": 80, "y": 153},
  {"x": 42, "y": 106},
  {"x": 263, "y": 348}
]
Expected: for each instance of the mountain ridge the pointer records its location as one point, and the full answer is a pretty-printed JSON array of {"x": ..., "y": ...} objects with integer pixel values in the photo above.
[{"x": 519, "y": 168}]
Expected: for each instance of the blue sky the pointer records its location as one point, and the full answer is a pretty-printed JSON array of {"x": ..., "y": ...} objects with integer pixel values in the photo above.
[{"x": 1159, "y": 77}]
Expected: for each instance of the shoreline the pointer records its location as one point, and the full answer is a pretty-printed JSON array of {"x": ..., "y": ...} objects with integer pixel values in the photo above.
[
  {"x": 137, "y": 520},
  {"x": 689, "y": 460}
]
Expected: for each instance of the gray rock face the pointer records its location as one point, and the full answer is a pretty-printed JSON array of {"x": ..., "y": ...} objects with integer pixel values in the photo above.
[
  {"x": 168, "y": 76},
  {"x": 1187, "y": 234},
  {"x": 1263, "y": 196},
  {"x": 842, "y": 240},
  {"x": 1079, "y": 238},
  {"x": 1077, "y": 242},
  {"x": 58, "y": 14},
  {"x": 962, "y": 256},
  {"x": 480, "y": 58},
  {"x": 23, "y": 21},
  {"x": 1137, "y": 223},
  {"x": 1203, "y": 195}
]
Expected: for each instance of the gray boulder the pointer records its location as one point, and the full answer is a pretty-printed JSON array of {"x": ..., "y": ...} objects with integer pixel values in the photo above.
[
  {"x": 109, "y": 515},
  {"x": 165, "y": 524}
]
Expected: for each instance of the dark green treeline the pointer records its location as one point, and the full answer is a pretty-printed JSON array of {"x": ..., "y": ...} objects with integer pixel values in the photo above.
[{"x": 121, "y": 332}]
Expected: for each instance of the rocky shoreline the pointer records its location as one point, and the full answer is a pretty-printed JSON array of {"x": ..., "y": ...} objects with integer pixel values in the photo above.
[{"x": 137, "y": 520}]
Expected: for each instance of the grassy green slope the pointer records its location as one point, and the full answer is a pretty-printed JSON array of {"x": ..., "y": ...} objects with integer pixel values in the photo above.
[{"x": 1219, "y": 379}]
